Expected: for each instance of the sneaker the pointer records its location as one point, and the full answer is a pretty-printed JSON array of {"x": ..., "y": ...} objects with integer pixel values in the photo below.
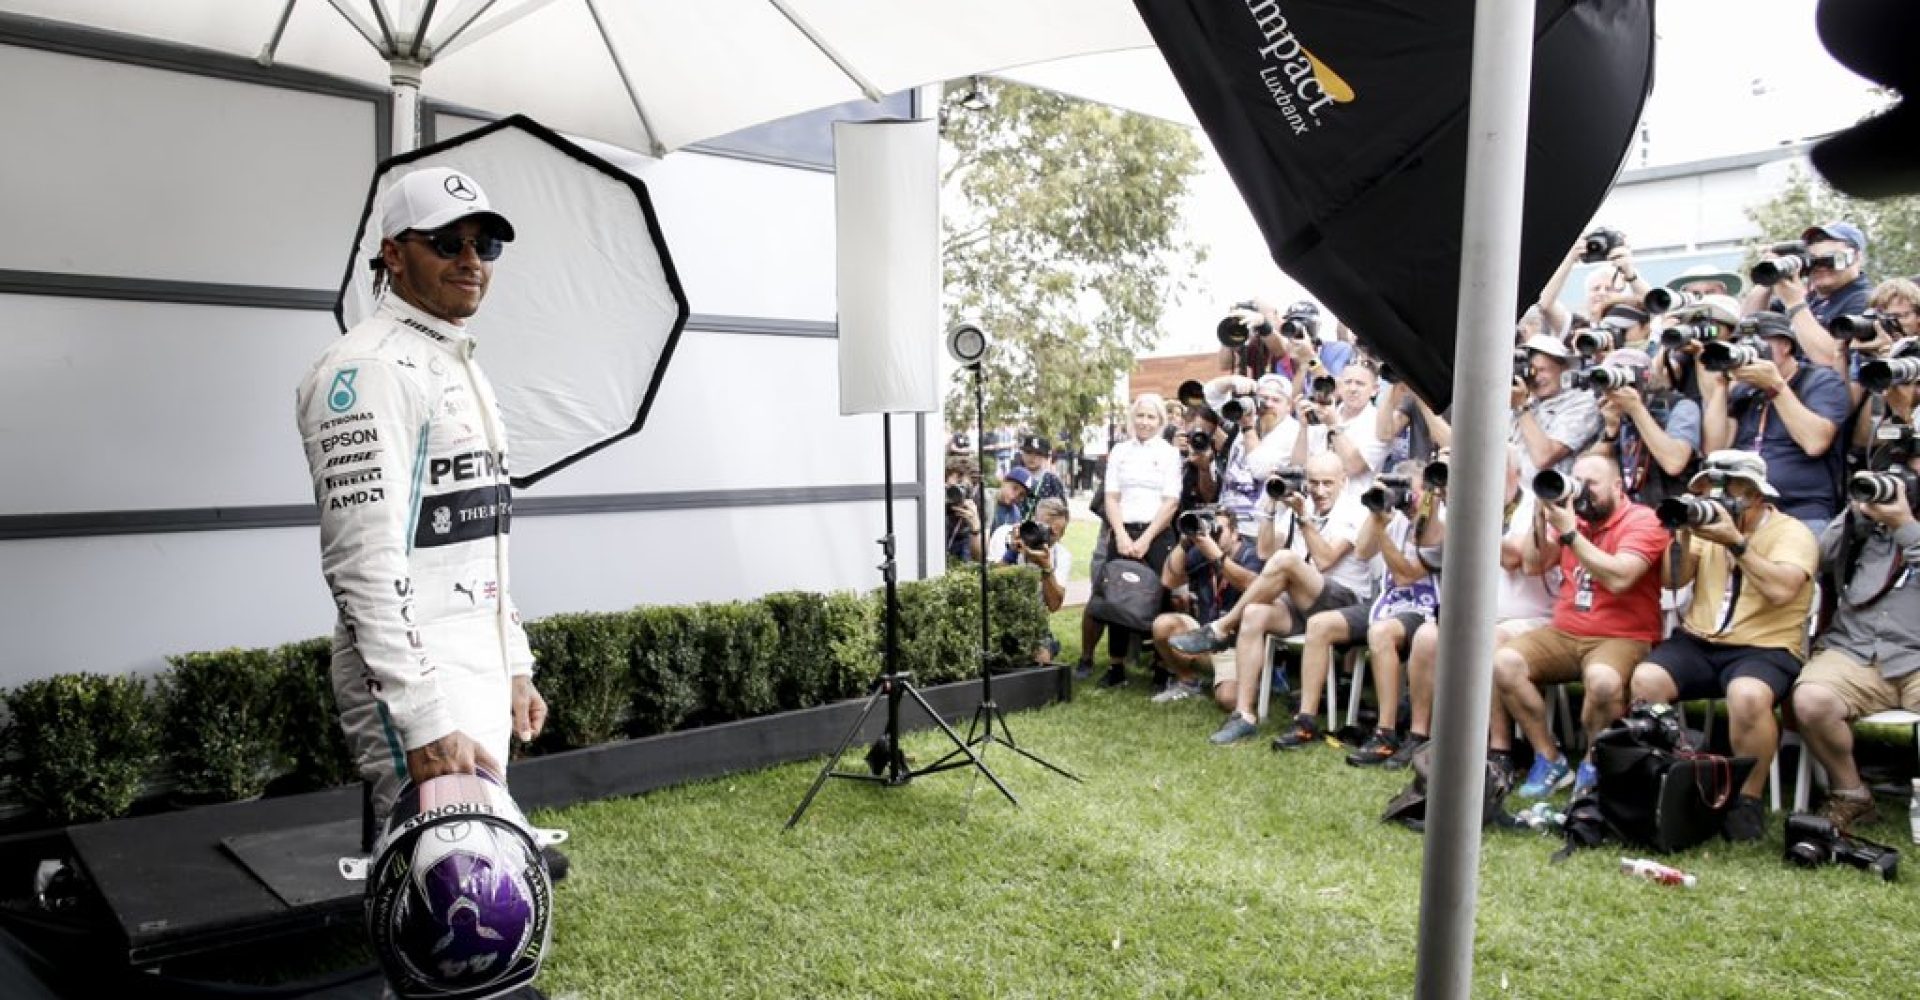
[
  {"x": 1404, "y": 756},
  {"x": 1200, "y": 641},
  {"x": 1305, "y": 733},
  {"x": 1546, "y": 777},
  {"x": 1176, "y": 690},
  {"x": 1845, "y": 812},
  {"x": 1585, "y": 779},
  {"x": 1745, "y": 822},
  {"x": 1236, "y": 728},
  {"x": 1378, "y": 749},
  {"x": 1115, "y": 676},
  {"x": 1083, "y": 671}
]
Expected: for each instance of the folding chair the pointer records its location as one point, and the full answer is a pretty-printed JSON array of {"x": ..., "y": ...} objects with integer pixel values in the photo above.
[
  {"x": 1355, "y": 659},
  {"x": 1803, "y": 778}
]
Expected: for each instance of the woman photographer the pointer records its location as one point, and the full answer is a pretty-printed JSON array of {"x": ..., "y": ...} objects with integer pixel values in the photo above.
[{"x": 1143, "y": 491}]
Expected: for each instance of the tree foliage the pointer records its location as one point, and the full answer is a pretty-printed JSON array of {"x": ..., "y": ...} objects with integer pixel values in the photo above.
[
  {"x": 1063, "y": 240},
  {"x": 1892, "y": 225}
]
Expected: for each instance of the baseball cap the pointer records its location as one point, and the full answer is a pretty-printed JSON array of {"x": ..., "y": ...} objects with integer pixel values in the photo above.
[
  {"x": 1630, "y": 357},
  {"x": 433, "y": 197},
  {"x": 1019, "y": 474},
  {"x": 1271, "y": 382},
  {"x": 1037, "y": 444},
  {"x": 1845, "y": 232},
  {"x": 1721, "y": 308},
  {"x": 1707, "y": 272},
  {"x": 1768, "y": 324},
  {"x": 1735, "y": 464},
  {"x": 1623, "y": 317},
  {"x": 1552, "y": 347}
]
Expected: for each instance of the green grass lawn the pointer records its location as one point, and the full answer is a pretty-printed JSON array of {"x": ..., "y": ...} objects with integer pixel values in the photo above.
[
  {"x": 1178, "y": 870},
  {"x": 1081, "y": 534}
]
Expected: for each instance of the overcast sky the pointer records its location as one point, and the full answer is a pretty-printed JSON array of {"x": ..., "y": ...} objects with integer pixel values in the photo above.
[{"x": 1729, "y": 77}]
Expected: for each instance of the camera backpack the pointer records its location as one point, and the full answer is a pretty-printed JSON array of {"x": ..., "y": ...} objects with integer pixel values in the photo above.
[
  {"x": 1128, "y": 595},
  {"x": 1654, "y": 790},
  {"x": 1409, "y": 808}
]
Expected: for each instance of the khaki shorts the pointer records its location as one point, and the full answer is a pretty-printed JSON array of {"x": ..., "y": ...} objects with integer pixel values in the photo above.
[
  {"x": 1224, "y": 669},
  {"x": 1860, "y": 687},
  {"x": 1556, "y": 657}
]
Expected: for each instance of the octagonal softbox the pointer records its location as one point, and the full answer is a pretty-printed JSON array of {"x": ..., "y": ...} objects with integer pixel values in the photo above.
[{"x": 584, "y": 308}]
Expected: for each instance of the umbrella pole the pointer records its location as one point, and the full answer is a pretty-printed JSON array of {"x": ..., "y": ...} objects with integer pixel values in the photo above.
[
  {"x": 406, "y": 105},
  {"x": 1490, "y": 245}
]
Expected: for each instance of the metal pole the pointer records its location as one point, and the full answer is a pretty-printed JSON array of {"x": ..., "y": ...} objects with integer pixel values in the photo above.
[
  {"x": 406, "y": 105},
  {"x": 980, "y": 491},
  {"x": 1490, "y": 245}
]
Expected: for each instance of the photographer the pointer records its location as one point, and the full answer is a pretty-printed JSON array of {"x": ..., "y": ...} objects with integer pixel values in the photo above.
[
  {"x": 1683, "y": 332},
  {"x": 1201, "y": 442},
  {"x": 1605, "y": 618},
  {"x": 1890, "y": 319},
  {"x": 963, "y": 515},
  {"x": 1215, "y": 566},
  {"x": 1832, "y": 284},
  {"x": 1655, "y": 438},
  {"x": 1405, "y": 528},
  {"x": 1142, "y": 493},
  {"x": 1344, "y": 427},
  {"x": 1253, "y": 411},
  {"x": 1010, "y": 502},
  {"x": 1310, "y": 566},
  {"x": 1788, "y": 411},
  {"x": 1039, "y": 542},
  {"x": 1752, "y": 569},
  {"x": 1412, "y": 430},
  {"x": 1550, "y": 425},
  {"x": 1868, "y": 660}
]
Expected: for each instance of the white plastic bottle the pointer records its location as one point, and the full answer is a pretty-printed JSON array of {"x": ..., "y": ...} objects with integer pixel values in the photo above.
[{"x": 1913, "y": 811}]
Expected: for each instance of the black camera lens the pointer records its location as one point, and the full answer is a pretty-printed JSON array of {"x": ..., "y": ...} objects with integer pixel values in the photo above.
[
  {"x": 1880, "y": 375},
  {"x": 1322, "y": 389},
  {"x": 1190, "y": 523},
  {"x": 1721, "y": 356},
  {"x": 1598, "y": 244},
  {"x": 1687, "y": 512},
  {"x": 1593, "y": 341},
  {"x": 1551, "y": 486},
  {"x": 1434, "y": 476},
  {"x": 1785, "y": 260},
  {"x": 1873, "y": 487},
  {"x": 956, "y": 494},
  {"x": 1236, "y": 409},
  {"x": 1286, "y": 482},
  {"x": 1663, "y": 300},
  {"x": 1034, "y": 535},
  {"x": 1200, "y": 440},
  {"x": 1388, "y": 493}
]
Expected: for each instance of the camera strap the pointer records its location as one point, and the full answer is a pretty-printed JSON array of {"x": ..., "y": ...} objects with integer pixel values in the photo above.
[{"x": 1844, "y": 572}]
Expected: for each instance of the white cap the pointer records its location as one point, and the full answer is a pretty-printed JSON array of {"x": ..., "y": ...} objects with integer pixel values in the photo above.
[
  {"x": 433, "y": 197},
  {"x": 1552, "y": 347}
]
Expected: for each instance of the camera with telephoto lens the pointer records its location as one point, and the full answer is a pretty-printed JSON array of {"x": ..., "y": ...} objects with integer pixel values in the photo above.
[
  {"x": 1034, "y": 535},
  {"x": 1782, "y": 260},
  {"x": 1726, "y": 356},
  {"x": 1664, "y": 300},
  {"x": 1285, "y": 482},
  {"x": 1864, "y": 326},
  {"x": 1593, "y": 341},
  {"x": 1434, "y": 476},
  {"x": 1200, "y": 440},
  {"x": 1608, "y": 377},
  {"x": 1191, "y": 393},
  {"x": 1388, "y": 493},
  {"x": 1241, "y": 325},
  {"x": 1551, "y": 486},
  {"x": 1198, "y": 521},
  {"x": 1300, "y": 322},
  {"x": 956, "y": 494},
  {"x": 1320, "y": 390},
  {"x": 1882, "y": 486},
  {"x": 1882, "y": 374},
  {"x": 1522, "y": 365},
  {"x": 1599, "y": 243},
  {"x": 1233, "y": 410},
  {"x": 1688, "y": 512},
  {"x": 1813, "y": 841},
  {"x": 1679, "y": 335}
]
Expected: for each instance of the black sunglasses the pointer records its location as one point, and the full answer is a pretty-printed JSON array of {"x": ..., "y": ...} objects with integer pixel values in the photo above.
[{"x": 448, "y": 245}]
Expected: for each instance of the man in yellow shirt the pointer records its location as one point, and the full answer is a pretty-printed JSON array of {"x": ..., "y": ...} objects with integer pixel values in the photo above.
[{"x": 1743, "y": 637}]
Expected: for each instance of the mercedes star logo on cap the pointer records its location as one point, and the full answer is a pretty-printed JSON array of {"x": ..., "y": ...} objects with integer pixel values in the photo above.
[{"x": 457, "y": 186}]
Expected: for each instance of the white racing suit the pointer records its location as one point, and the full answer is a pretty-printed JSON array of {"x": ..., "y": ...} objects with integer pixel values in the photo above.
[{"x": 409, "y": 466}]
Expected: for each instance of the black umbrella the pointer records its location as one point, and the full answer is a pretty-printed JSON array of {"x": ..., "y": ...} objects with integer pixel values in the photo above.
[
  {"x": 1343, "y": 122},
  {"x": 585, "y": 306},
  {"x": 1879, "y": 157}
]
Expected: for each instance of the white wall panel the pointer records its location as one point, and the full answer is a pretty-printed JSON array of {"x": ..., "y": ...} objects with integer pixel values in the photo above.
[
  {"x": 749, "y": 239},
  {"x": 114, "y": 169},
  {"x": 123, "y": 603},
  {"x": 137, "y": 405}
]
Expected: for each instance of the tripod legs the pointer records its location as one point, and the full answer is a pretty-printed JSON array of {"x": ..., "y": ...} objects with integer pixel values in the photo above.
[{"x": 981, "y": 733}]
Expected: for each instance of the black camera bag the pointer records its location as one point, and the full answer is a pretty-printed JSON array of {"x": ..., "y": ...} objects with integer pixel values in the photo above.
[
  {"x": 1409, "y": 808},
  {"x": 1128, "y": 595},
  {"x": 1666, "y": 800}
]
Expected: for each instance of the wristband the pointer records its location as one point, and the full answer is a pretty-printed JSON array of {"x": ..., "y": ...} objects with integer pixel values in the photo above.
[
  {"x": 1738, "y": 548},
  {"x": 1796, "y": 309},
  {"x": 1566, "y": 537}
]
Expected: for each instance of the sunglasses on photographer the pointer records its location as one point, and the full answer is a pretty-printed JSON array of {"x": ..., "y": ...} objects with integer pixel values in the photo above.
[{"x": 448, "y": 245}]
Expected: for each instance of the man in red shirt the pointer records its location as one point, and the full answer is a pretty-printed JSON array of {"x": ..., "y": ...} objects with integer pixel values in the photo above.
[{"x": 1606, "y": 617}]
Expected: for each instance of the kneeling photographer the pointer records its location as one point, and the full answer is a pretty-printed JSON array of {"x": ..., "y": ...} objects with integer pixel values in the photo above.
[
  {"x": 1039, "y": 542},
  {"x": 1214, "y": 565},
  {"x": 1752, "y": 572},
  {"x": 1868, "y": 659}
]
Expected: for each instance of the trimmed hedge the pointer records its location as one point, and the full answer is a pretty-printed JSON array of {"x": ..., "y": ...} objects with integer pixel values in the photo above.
[
  {"x": 83, "y": 744},
  {"x": 236, "y": 718}
]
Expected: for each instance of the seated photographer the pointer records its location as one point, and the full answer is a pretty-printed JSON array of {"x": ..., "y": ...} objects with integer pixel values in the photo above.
[
  {"x": 963, "y": 515},
  {"x": 1752, "y": 573},
  {"x": 1214, "y": 565},
  {"x": 1868, "y": 660},
  {"x": 1606, "y": 617},
  {"x": 1825, "y": 280},
  {"x": 1142, "y": 493},
  {"x": 1785, "y": 409},
  {"x": 1524, "y": 602},
  {"x": 1036, "y": 456},
  {"x": 1551, "y": 425},
  {"x": 1409, "y": 598},
  {"x": 1345, "y": 426},
  {"x": 1655, "y": 437},
  {"x": 1310, "y": 566},
  {"x": 1039, "y": 542}
]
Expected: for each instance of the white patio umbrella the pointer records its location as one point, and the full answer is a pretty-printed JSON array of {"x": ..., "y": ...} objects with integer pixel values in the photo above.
[{"x": 648, "y": 75}]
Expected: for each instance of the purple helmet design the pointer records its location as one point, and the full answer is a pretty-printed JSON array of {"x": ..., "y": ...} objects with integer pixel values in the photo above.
[{"x": 459, "y": 901}]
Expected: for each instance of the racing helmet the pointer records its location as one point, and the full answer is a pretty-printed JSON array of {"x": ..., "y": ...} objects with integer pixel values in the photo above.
[{"x": 459, "y": 901}]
